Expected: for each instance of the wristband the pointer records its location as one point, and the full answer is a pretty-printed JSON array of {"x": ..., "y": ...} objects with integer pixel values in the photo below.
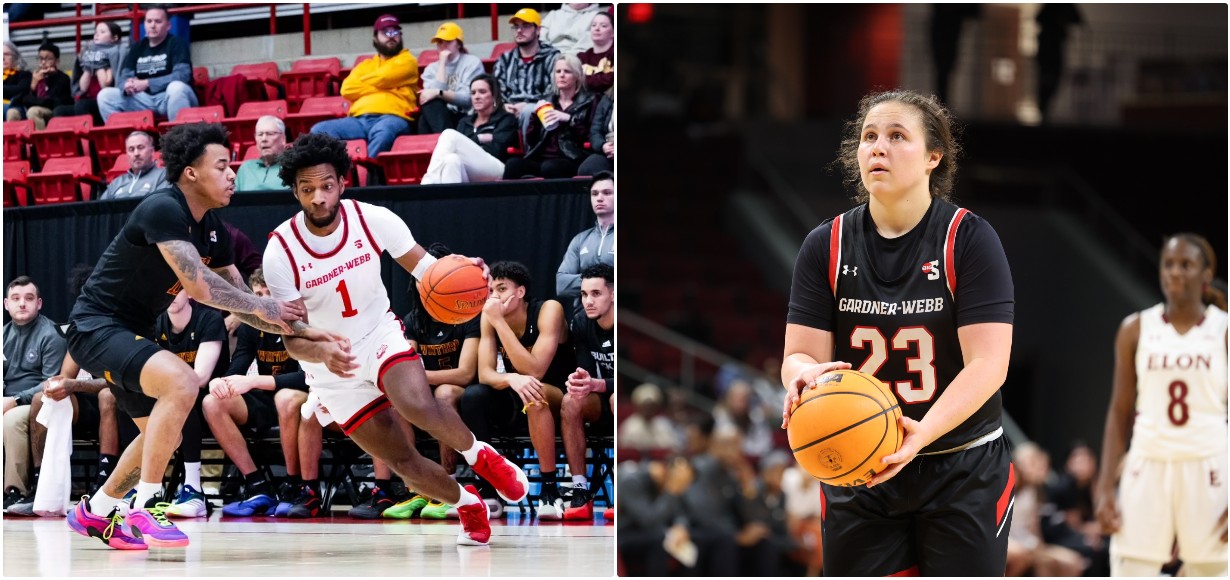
[{"x": 424, "y": 263}]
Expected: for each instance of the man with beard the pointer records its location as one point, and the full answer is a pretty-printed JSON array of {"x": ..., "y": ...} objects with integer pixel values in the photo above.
[
  {"x": 525, "y": 73},
  {"x": 381, "y": 92}
]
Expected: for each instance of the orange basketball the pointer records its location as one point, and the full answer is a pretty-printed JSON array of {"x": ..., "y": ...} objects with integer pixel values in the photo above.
[
  {"x": 453, "y": 290},
  {"x": 844, "y": 426}
]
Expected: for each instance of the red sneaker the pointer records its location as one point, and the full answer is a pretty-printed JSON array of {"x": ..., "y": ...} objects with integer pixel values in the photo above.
[
  {"x": 475, "y": 529},
  {"x": 509, "y": 481},
  {"x": 580, "y": 505}
]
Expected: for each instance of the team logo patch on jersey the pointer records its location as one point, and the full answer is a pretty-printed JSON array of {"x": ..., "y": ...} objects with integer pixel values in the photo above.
[
  {"x": 606, "y": 344},
  {"x": 831, "y": 459},
  {"x": 380, "y": 351},
  {"x": 931, "y": 269},
  {"x": 31, "y": 356},
  {"x": 845, "y": 269},
  {"x": 213, "y": 235}
]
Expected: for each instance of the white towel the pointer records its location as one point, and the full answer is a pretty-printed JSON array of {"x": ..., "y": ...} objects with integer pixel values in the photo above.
[
  {"x": 55, "y": 481},
  {"x": 312, "y": 405}
]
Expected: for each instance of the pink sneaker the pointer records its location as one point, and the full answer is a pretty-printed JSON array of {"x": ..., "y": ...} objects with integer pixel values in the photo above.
[
  {"x": 110, "y": 530},
  {"x": 475, "y": 528},
  {"x": 509, "y": 481},
  {"x": 152, "y": 525}
]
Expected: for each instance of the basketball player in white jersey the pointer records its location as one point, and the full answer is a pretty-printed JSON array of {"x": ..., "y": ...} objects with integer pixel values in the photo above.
[
  {"x": 327, "y": 258},
  {"x": 1170, "y": 395}
]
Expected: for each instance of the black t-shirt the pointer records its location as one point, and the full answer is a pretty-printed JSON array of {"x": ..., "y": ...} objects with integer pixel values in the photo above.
[
  {"x": 899, "y": 302},
  {"x": 439, "y": 344},
  {"x": 146, "y": 61},
  {"x": 205, "y": 325},
  {"x": 595, "y": 348},
  {"x": 561, "y": 365},
  {"x": 269, "y": 352},
  {"x": 132, "y": 283}
]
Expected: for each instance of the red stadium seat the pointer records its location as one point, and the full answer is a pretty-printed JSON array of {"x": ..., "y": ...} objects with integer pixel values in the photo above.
[
  {"x": 206, "y": 114},
  {"x": 63, "y": 179},
  {"x": 358, "y": 59},
  {"x": 16, "y": 187},
  {"x": 427, "y": 57},
  {"x": 262, "y": 80},
  {"x": 17, "y": 139},
  {"x": 359, "y": 174},
  {"x": 496, "y": 51},
  {"x": 121, "y": 166},
  {"x": 63, "y": 137},
  {"x": 242, "y": 126},
  {"x": 251, "y": 153},
  {"x": 407, "y": 161},
  {"x": 109, "y": 139},
  {"x": 312, "y": 78},
  {"x": 315, "y": 110},
  {"x": 200, "y": 80}
]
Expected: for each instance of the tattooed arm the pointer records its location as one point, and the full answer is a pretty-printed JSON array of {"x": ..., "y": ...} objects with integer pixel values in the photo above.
[
  {"x": 205, "y": 286},
  {"x": 232, "y": 276}
]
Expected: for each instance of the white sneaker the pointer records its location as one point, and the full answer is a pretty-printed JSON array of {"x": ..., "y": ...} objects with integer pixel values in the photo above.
[
  {"x": 190, "y": 503},
  {"x": 550, "y": 505}
]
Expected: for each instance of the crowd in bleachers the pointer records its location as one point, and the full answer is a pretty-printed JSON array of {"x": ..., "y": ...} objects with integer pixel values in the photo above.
[
  {"x": 543, "y": 109},
  {"x": 101, "y": 142}
]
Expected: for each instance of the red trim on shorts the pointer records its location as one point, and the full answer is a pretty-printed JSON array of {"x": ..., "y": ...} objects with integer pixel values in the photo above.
[
  {"x": 363, "y": 223},
  {"x": 294, "y": 227},
  {"x": 911, "y": 571},
  {"x": 824, "y": 505},
  {"x": 389, "y": 362},
  {"x": 834, "y": 253},
  {"x": 1001, "y": 506},
  {"x": 358, "y": 419},
  {"x": 950, "y": 242},
  {"x": 289, "y": 256}
]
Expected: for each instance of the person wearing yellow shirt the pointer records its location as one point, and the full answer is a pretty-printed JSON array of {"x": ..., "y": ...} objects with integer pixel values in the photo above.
[{"x": 381, "y": 92}]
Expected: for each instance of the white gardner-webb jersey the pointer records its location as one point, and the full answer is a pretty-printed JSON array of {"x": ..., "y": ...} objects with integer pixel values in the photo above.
[
  {"x": 338, "y": 276},
  {"x": 1180, "y": 387}
]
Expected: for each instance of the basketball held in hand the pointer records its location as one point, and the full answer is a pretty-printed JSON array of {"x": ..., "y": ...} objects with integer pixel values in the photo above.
[
  {"x": 453, "y": 290},
  {"x": 843, "y": 426}
]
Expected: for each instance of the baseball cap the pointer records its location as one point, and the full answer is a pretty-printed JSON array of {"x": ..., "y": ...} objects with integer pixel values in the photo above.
[
  {"x": 448, "y": 31},
  {"x": 387, "y": 21},
  {"x": 527, "y": 15}
]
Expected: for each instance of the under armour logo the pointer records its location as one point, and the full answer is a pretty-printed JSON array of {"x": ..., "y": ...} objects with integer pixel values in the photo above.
[
  {"x": 845, "y": 269},
  {"x": 306, "y": 267}
]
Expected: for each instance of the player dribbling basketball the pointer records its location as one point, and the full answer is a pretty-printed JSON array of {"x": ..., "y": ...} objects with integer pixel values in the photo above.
[
  {"x": 1170, "y": 394},
  {"x": 916, "y": 291}
]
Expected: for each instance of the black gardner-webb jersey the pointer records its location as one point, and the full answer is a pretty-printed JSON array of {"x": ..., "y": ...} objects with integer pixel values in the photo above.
[
  {"x": 595, "y": 348},
  {"x": 439, "y": 344},
  {"x": 132, "y": 283},
  {"x": 894, "y": 305}
]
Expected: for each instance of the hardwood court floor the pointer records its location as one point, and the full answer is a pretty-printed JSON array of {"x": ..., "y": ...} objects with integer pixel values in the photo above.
[{"x": 332, "y": 546}]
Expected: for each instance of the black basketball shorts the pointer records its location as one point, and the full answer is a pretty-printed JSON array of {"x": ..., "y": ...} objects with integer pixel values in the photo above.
[
  {"x": 942, "y": 515},
  {"x": 262, "y": 413},
  {"x": 117, "y": 355}
]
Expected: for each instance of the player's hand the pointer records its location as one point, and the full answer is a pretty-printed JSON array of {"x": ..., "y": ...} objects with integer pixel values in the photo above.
[
  {"x": 336, "y": 356},
  {"x": 1107, "y": 510},
  {"x": 444, "y": 54},
  {"x": 478, "y": 262},
  {"x": 806, "y": 378},
  {"x": 321, "y": 335},
  {"x": 579, "y": 384},
  {"x": 916, "y": 437},
  {"x": 496, "y": 309},
  {"x": 220, "y": 388},
  {"x": 232, "y": 324},
  {"x": 280, "y": 313},
  {"x": 57, "y": 388},
  {"x": 528, "y": 388}
]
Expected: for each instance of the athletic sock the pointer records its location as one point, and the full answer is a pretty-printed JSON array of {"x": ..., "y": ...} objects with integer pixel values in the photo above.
[
  {"x": 145, "y": 492},
  {"x": 101, "y": 504},
  {"x": 580, "y": 481},
  {"x": 313, "y": 484},
  {"x": 294, "y": 480},
  {"x": 192, "y": 474},
  {"x": 467, "y": 498},
  {"x": 471, "y": 454},
  {"x": 256, "y": 483},
  {"x": 105, "y": 464}
]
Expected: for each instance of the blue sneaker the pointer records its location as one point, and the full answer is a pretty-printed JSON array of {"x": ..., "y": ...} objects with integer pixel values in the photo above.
[
  {"x": 257, "y": 505},
  {"x": 286, "y": 496}
]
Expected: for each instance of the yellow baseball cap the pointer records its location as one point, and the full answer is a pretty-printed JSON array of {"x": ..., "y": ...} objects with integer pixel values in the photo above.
[
  {"x": 448, "y": 31},
  {"x": 527, "y": 15}
]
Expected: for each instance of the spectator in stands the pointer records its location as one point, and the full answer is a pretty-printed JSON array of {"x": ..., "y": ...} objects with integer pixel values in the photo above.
[
  {"x": 592, "y": 246},
  {"x": 803, "y": 510},
  {"x": 156, "y": 74},
  {"x": 567, "y": 29},
  {"x": 1027, "y": 549},
  {"x": 602, "y": 141},
  {"x": 262, "y": 174},
  {"x": 651, "y": 512},
  {"x": 49, "y": 88},
  {"x": 33, "y": 352},
  {"x": 598, "y": 61},
  {"x": 144, "y": 175},
  {"x": 476, "y": 151},
  {"x": 741, "y": 412},
  {"x": 647, "y": 430},
  {"x": 94, "y": 70},
  {"x": 556, "y": 146},
  {"x": 272, "y": 396},
  {"x": 1074, "y": 524},
  {"x": 765, "y": 542},
  {"x": 712, "y": 504},
  {"x": 16, "y": 77},
  {"x": 520, "y": 364},
  {"x": 525, "y": 73},
  {"x": 591, "y": 388},
  {"x": 446, "y": 83},
  {"x": 381, "y": 91}
]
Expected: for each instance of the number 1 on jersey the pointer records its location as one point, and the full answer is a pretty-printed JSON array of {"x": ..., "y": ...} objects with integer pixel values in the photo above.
[{"x": 349, "y": 310}]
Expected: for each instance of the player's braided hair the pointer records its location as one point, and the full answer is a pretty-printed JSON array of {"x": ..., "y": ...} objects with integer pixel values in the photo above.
[
  {"x": 941, "y": 131},
  {"x": 1211, "y": 294},
  {"x": 310, "y": 150},
  {"x": 183, "y": 145}
]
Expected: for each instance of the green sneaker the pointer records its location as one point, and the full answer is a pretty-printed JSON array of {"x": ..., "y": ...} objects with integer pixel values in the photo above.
[
  {"x": 436, "y": 510},
  {"x": 407, "y": 509}
]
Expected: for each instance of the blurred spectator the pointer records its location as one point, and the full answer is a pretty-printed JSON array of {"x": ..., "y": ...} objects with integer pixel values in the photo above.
[
  {"x": 49, "y": 88},
  {"x": 95, "y": 70},
  {"x": 556, "y": 146},
  {"x": 525, "y": 73},
  {"x": 598, "y": 61},
  {"x": 803, "y": 511},
  {"x": 740, "y": 412},
  {"x": 946, "y": 23},
  {"x": 592, "y": 246},
  {"x": 446, "y": 83},
  {"x": 381, "y": 90},
  {"x": 716, "y": 504},
  {"x": 262, "y": 174},
  {"x": 647, "y": 429},
  {"x": 476, "y": 150},
  {"x": 144, "y": 176},
  {"x": 1073, "y": 523},
  {"x": 767, "y": 508},
  {"x": 156, "y": 74},
  {"x": 1027, "y": 550},
  {"x": 650, "y": 508},
  {"x": 567, "y": 29},
  {"x": 25, "y": 11},
  {"x": 602, "y": 141},
  {"x": 16, "y": 77},
  {"x": 1053, "y": 21}
]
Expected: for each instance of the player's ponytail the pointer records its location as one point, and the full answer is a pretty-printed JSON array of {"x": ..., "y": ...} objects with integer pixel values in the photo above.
[{"x": 1215, "y": 294}]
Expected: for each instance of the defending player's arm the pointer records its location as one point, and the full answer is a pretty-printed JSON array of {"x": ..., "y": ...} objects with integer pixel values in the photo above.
[
  {"x": 207, "y": 287},
  {"x": 232, "y": 276},
  {"x": 1119, "y": 419}
]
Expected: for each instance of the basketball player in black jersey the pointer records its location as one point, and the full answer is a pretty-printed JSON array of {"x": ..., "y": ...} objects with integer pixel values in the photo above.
[
  {"x": 171, "y": 243},
  {"x": 916, "y": 291},
  {"x": 591, "y": 388}
]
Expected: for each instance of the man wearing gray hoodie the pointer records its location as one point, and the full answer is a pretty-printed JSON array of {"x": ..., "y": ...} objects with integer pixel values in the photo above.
[{"x": 589, "y": 247}]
